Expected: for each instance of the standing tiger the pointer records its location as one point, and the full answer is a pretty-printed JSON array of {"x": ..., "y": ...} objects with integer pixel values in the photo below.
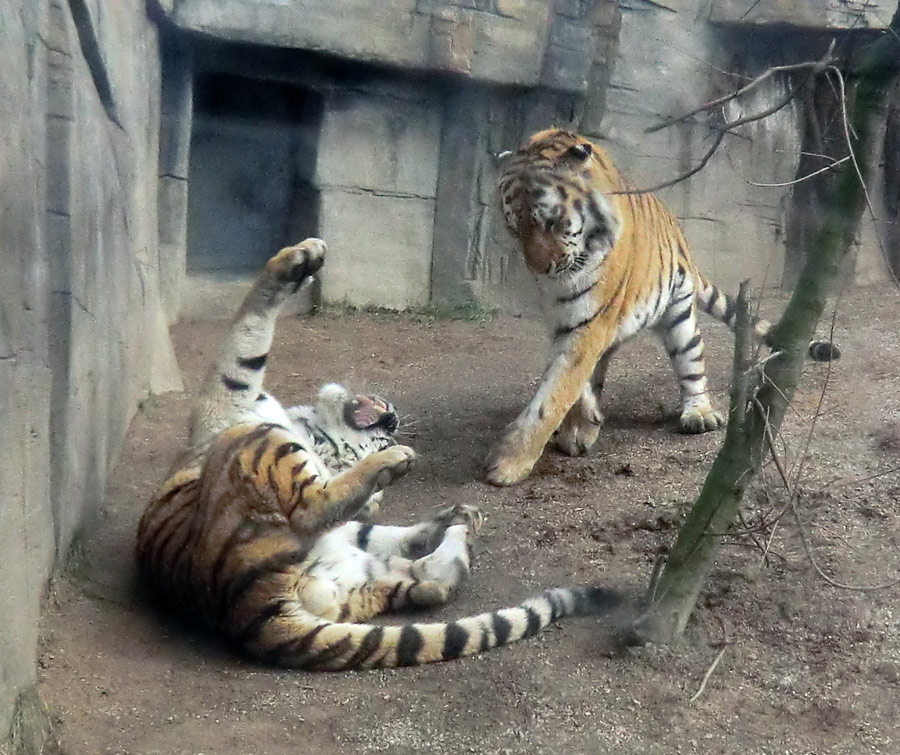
[
  {"x": 251, "y": 531},
  {"x": 609, "y": 264}
]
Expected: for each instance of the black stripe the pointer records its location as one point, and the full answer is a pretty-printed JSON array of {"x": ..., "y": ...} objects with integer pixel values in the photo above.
[
  {"x": 560, "y": 332},
  {"x": 251, "y": 576},
  {"x": 502, "y": 628},
  {"x": 485, "y": 640},
  {"x": 253, "y": 363},
  {"x": 534, "y": 622},
  {"x": 693, "y": 376},
  {"x": 254, "y": 626},
  {"x": 362, "y": 537},
  {"x": 234, "y": 385},
  {"x": 392, "y": 595},
  {"x": 680, "y": 318},
  {"x": 689, "y": 345},
  {"x": 555, "y": 605},
  {"x": 297, "y": 646},
  {"x": 367, "y": 648},
  {"x": 409, "y": 645},
  {"x": 284, "y": 449},
  {"x": 572, "y": 297},
  {"x": 455, "y": 639},
  {"x": 241, "y": 534},
  {"x": 158, "y": 547},
  {"x": 262, "y": 397},
  {"x": 257, "y": 456},
  {"x": 598, "y": 215},
  {"x": 730, "y": 308}
]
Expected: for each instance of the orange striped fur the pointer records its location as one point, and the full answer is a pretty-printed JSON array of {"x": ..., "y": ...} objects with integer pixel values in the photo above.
[
  {"x": 609, "y": 264},
  {"x": 254, "y": 531}
]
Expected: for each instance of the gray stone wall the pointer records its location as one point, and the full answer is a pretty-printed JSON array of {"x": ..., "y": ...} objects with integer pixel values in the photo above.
[
  {"x": 377, "y": 175},
  {"x": 737, "y": 211},
  {"x": 82, "y": 329},
  {"x": 520, "y": 42},
  {"x": 404, "y": 171}
]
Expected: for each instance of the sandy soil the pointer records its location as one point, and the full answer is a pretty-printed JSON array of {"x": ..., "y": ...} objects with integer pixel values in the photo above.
[{"x": 807, "y": 667}]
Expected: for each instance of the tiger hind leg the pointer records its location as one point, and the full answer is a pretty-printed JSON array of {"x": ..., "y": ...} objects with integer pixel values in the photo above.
[
  {"x": 439, "y": 574},
  {"x": 234, "y": 384},
  {"x": 434, "y": 578},
  {"x": 385, "y": 541},
  {"x": 580, "y": 429},
  {"x": 362, "y": 585},
  {"x": 681, "y": 337}
]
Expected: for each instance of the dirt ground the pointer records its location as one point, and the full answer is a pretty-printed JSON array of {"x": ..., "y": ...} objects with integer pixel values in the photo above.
[{"x": 807, "y": 667}]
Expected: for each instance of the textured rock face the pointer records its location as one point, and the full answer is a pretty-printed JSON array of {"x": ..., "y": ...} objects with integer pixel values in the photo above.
[
  {"x": 737, "y": 212},
  {"x": 82, "y": 330},
  {"x": 521, "y": 42},
  {"x": 377, "y": 177},
  {"x": 813, "y": 15}
]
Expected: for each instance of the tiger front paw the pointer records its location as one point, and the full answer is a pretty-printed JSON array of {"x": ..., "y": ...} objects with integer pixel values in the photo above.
[
  {"x": 508, "y": 463},
  {"x": 391, "y": 463},
  {"x": 577, "y": 437},
  {"x": 460, "y": 513},
  {"x": 294, "y": 264},
  {"x": 700, "y": 419}
]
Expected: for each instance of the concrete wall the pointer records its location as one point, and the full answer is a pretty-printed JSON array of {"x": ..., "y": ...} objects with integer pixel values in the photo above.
[
  {"x": 377, "y": 177},
  {"x": 518, "y": 42},
  {"x": 82, "y": 330},
  {"x": 405, "y": 169},
  {"x": 672, "y": 60}
]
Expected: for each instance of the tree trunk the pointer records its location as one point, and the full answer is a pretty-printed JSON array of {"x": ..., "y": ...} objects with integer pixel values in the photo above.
[{"x": 675, "y": 593}]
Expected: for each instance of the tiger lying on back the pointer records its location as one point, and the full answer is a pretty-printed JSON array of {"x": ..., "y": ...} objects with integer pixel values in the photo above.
[
  {"x": 608, "y": 266},
  {"x": 250, "y": 531}
]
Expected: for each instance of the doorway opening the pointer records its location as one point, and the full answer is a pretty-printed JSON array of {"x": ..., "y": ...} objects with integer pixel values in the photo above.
[{"x": 252, "y": 160}]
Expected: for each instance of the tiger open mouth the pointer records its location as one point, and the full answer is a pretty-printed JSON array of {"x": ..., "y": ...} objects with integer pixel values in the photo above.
[{"x": 368, "y": 412}]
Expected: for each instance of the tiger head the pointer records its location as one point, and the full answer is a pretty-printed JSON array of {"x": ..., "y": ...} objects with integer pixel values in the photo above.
[
  {"x": 346, "y": 427},
  {"x": 553, "y": 192}
]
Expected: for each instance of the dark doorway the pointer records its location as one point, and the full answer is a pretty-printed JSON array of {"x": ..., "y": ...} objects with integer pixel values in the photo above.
[{"x": 253, "y": 154}]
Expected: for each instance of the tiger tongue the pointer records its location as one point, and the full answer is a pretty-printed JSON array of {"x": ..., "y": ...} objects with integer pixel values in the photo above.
[{"x": 367, "y": 411}]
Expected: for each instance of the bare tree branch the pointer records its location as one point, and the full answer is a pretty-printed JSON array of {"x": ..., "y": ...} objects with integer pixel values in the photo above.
[
  {"x": 815, "y": 66},
  {"x": 801, "y": 179},
  {"x": 812, "y": 67}
]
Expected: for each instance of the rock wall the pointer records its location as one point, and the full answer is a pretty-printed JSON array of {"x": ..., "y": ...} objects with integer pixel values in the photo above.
[
  {"x": 424, "y": 94},
  {"x": 82, "y": 329},
  {"x": 738, "y": 212}
]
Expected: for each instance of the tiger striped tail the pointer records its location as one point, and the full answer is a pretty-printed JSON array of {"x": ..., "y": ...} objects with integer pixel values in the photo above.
[
  {"x": 720, "y": 305},
  {"x": 301, "y": 640}
]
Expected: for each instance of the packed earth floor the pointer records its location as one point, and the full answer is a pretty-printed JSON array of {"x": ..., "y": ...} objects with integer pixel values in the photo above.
[{"x": 806, "y": 666}]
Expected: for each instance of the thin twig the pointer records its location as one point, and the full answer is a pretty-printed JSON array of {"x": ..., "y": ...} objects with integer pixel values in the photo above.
[
  {"x": 708, "y": 674},
  {"x": 847, "y": 129},
  {"x": 814, "y": 66},
  {"x": 822, "y": 574},
  {"x": 859, "y": 480},
  {"x": 687, "y": 174},
  {"x": 798, "y": 180}
]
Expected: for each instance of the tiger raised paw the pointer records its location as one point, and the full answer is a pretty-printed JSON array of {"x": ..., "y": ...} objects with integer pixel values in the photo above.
[
  {"x": 255, "y": 531},
  {"x": 609, "y": 264}
]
